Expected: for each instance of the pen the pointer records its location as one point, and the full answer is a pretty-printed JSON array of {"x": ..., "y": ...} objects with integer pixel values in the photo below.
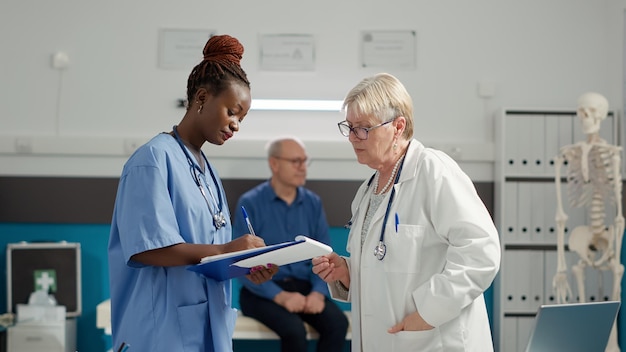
[
  {"x": 245, "y": 216},
  {"x": 397, "y": 222}
]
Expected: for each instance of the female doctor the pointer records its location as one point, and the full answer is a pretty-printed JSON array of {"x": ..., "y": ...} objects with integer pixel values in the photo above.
[{"x": 423, "y": 247}]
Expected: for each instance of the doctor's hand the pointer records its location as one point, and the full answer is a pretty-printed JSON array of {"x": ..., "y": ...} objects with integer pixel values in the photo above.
[
  {"x": 412, "y": 322},
  {"x": 331, "y": 268},
  {"x": 260, "y": 274}
]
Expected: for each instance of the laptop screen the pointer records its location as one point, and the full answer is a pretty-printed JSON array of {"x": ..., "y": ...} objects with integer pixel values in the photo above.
[{"x": 573, "y": 327}]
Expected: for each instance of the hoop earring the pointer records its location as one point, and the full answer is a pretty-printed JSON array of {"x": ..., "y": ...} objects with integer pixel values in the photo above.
[{"x": 200, "y": 109}]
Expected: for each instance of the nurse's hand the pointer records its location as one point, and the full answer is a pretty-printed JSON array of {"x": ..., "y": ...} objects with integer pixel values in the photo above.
[
  {"x": 243, "y": 242},
  {"x": 412, "y": 322},
  {"x": 331, "y": 268},
  {"x": 260, "y": 274}
]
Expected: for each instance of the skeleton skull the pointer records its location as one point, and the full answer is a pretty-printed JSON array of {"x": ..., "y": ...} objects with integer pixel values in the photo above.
[{"x": 592, "y": 109}]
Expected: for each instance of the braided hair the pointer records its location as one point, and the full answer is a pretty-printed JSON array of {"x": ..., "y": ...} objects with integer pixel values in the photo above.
[{"x": 220, "y": 66}]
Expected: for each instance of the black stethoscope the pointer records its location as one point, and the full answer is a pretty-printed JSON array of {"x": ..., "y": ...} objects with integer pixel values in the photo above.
[
  {"x": 219, "y": 219},
  {"x": 381, "y": 249}
]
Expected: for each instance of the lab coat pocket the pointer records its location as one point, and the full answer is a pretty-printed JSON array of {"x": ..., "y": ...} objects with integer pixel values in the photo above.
[
  {"x": 193, "y": 320},
  {"x": 403, "y": 248},
  {"x": 427, "y": 340}
]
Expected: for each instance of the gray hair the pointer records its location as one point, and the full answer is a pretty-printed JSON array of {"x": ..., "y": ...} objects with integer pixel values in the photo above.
[
  {"x": 275, "y": 146},
  {"x": 384, "y": 97}
]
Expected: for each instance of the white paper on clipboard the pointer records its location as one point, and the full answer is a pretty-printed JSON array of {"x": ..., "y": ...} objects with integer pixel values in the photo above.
[{"x": 306, "y": 249}]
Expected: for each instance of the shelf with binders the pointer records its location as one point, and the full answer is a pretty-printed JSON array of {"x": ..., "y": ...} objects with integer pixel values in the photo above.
[
  {"x": 525, "y": 193},
  {"x": 526, "y": 283},
  {"x": 527, "y": 141},
  {"x": 529, "y": 217}
]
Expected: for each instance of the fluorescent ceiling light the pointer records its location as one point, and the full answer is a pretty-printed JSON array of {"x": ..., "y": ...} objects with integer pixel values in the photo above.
[{"x": 298, "y": 105}]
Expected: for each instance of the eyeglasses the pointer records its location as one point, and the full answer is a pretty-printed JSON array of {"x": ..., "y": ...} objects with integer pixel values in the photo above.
[
  {"x": 297, "y": 162},
  {"x": 359, "y": 132}
]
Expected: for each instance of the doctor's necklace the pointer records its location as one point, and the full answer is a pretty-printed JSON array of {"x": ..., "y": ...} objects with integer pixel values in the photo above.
[
  {"x": 391, "y": 177},
  {"x": 219, "y": 219}
]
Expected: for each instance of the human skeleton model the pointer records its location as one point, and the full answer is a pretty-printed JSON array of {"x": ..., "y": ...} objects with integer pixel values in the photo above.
[{"x": 593, "y": 178}]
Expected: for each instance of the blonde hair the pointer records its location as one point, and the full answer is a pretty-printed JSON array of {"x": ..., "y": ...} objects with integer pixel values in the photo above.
[{"x": 384, "y": 97}]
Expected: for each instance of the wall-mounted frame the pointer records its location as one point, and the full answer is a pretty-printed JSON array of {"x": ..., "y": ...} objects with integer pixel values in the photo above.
[
  {"x": 389, "y": 49},
  {"x": 182, "y": 48},
  {"x": 287, "y": 52}
]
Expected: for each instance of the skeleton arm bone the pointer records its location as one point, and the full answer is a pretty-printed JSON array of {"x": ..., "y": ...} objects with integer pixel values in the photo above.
[
  {"x": 617, "y": 230},
  {"x": 561, "y": 217},
  {"x": 619, "y": 219},
  {"x": 618, "y": 270},
  {"x": 559, "y": 282}
]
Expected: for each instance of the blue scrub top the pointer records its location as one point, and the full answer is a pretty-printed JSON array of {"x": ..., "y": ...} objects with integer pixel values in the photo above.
[{"x": 158, "y": 204}]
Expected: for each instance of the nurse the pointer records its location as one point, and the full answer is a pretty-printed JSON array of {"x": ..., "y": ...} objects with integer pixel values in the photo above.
[
  {"x": 171, "y": 211},
  {"x": 423, "y": 247}
]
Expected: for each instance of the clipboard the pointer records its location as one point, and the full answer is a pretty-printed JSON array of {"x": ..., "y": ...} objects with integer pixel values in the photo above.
[{"x": 229, "y": 265}]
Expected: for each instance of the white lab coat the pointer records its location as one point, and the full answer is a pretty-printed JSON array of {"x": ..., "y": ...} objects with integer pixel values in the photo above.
[{"x": 442, "y": 258}]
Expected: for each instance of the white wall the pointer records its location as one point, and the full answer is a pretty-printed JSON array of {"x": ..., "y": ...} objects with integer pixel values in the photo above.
[{"x": 84, "y": 120}]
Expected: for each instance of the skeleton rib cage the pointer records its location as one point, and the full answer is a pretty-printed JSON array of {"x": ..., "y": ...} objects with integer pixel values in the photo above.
[{"x": 599, "y": 186}]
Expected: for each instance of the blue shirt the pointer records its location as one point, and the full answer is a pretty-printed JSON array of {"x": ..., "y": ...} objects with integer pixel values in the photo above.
[
  {"x": 276, "y": 221},
  {"x": 158, "y": 204}
]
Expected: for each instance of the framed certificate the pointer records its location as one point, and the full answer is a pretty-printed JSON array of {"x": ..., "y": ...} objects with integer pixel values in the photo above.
[
  {"x": 388, "y": 49},
  {"x": 287, "y": 52},
  {"x": 182, "y": 48}
]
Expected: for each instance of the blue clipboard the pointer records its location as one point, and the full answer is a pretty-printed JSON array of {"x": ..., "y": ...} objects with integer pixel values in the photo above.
[{"x": 224, "y": 266}]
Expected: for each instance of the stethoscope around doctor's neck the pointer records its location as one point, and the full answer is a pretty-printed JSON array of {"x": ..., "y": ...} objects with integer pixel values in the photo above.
[
  {"x": 381, "y": 249},
  {"x": 219, "y": 219}
]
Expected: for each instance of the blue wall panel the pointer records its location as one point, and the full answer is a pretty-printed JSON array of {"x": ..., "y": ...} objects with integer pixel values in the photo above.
[{"x": 95, "y": 276}]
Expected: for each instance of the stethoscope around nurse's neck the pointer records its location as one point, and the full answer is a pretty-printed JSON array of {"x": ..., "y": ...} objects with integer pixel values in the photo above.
[{"x": 219, "y": 219}]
